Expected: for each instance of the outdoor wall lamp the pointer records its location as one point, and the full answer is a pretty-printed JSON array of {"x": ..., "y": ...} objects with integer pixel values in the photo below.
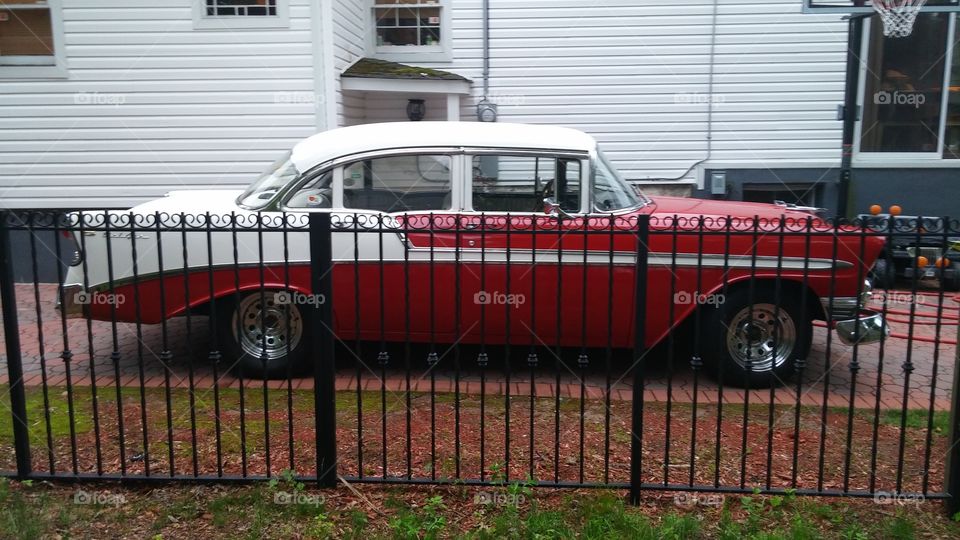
[{"x": 416, "y": 110}]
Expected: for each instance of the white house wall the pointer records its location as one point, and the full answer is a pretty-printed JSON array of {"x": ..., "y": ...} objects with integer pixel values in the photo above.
[
  {"x": 349, "y": 42},
  {"x": 152, "y": 105},
  {"x": 634, "y": 74}
]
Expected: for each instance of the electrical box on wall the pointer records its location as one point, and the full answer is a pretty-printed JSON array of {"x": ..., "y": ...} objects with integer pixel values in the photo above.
[{"x": 718, "y": 182}]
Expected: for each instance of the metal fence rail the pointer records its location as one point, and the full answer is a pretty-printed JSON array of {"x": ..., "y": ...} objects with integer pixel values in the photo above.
[{"x": 683, "y": 353}]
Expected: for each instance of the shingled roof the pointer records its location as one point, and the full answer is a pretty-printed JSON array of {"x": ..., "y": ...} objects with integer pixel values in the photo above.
[{"x": 372, "y": 68}]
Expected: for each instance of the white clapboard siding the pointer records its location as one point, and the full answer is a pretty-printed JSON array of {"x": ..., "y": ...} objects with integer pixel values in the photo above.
[
  {"x": 634, "y": 74},
  {"x": 349, "y": 44},
  {"x": 153, "y": 105}
]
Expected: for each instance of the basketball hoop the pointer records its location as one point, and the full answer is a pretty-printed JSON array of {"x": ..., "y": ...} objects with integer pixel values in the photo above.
[{"x": 898, "y": 16}]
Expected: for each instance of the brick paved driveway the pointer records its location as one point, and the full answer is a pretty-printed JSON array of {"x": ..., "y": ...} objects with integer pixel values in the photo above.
[{"x": 932, "y": 356}]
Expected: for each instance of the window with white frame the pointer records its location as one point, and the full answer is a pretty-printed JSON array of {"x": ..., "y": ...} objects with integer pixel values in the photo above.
[
  {"x": 410, "y": 26},
  {"x": 241, "y": 8},
  {"x": 30, "y": 39},
  {"x": 219, "y": 14},
  {"x": 911, "y": 103}
]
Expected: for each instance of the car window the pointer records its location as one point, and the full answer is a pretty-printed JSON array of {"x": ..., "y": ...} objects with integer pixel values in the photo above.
[
  {"x": 511, "y": 183},
  {"x": 610, "y": 192},
  {"x": 399, "y": 183},
  {"x": 261, "y": 192},
  {"x": 316, "y": 193}
]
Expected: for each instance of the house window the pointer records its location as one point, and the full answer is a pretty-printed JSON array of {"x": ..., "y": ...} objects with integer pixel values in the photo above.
[
  {"x": 402, "y": 23},
  {"x": 241, "y": 8},
  {"x": 410, "y": 26},
  {"x": 233, "y": 14},
  {"x": 951, "y": 142},
  {"x": 30, "y": 39},
  {"x": 904, "y": 110}
]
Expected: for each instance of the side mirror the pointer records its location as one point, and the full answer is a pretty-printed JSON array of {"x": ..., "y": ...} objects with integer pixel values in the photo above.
[{"x": 551, "y": 207}]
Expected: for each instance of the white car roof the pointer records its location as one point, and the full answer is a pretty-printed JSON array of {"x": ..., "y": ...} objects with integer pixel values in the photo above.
[{"x": 369, "y": 137}]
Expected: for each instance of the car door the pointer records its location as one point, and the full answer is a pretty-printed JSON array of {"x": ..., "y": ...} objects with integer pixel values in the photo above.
[
  {"x": 522, "y": 255},
  {"x": 400, "y": 279}
]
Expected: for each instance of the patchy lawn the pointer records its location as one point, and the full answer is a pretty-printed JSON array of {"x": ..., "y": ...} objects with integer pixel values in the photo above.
[
  {"x": 287, "y": 509},
  {"x": 441, "y": 437}
]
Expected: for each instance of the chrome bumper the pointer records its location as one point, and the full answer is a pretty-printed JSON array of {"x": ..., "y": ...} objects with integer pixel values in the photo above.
[{"x": 868, "y": 327}]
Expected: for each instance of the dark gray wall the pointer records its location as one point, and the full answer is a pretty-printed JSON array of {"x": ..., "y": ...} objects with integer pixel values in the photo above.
[
  {"x": 926, "y": 192},
  {"x": 931, "y": 192}
]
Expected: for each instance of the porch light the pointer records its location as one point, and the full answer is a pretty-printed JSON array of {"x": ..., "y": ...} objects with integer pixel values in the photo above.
[{"x": 416, "y": 110}]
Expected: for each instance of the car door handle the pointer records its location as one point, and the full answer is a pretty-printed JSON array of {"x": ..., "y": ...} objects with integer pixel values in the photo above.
[{"x": 471, "y": 225}]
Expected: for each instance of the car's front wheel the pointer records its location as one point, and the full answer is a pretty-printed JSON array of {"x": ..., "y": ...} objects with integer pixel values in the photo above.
[
  {"x": 754, "y": 342},
  {"x": 263, "y": 334}
]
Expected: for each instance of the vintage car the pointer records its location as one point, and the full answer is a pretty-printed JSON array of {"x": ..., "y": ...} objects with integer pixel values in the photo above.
[{"x": 488, "y": 179}]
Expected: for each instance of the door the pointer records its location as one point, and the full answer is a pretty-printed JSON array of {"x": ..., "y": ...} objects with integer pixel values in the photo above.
[{"x": 522, "y": 257}]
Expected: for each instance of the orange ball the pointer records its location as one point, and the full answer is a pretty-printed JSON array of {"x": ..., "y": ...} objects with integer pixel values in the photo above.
[
  {"x": 876, "y": 209},
  {"x": 922, "y": 262},
  {"x": 895, "y": 210},
  {"x": 942, "y": 262}
]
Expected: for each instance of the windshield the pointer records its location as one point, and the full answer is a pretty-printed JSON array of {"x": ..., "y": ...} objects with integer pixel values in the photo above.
[
  {"x": 270, "y": 182},
  {"x": 610, "y": 192}
]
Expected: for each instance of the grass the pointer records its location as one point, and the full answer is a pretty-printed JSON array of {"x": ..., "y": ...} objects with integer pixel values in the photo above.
[
  {"x": 36, "y": 511},
  {"x": 917, "y": 419},
  {"x": 59, "y": 406}
]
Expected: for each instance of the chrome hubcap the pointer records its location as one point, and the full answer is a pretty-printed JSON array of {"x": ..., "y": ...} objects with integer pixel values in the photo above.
[
  {"x": 262, "y": 326},
  {"x": 761, "y": 337}
]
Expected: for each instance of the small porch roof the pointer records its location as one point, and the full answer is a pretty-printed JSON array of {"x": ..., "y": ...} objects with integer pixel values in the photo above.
[{"x": 373, "y": 75}]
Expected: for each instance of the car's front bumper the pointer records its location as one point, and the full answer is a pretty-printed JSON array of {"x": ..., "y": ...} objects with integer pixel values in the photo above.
[
  {"x": 930, "y": 272},
  {"x": 867, "y": 327}
]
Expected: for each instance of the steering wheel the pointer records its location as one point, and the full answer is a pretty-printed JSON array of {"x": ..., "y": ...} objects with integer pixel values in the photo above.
[{"x": 548, "y": 191}]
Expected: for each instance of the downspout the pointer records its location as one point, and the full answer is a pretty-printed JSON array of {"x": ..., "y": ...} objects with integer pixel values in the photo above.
[
  {"x": 486, "y": 48},
  {"x": 710, "y": 77},
  {"x": 486, "y": 110}
]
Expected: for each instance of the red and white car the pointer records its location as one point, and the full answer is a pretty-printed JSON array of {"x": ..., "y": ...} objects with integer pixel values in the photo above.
[{"x": 488, "y": 179}]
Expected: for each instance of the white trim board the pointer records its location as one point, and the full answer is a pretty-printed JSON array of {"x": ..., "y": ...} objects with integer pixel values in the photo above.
[{"x": 428, "y": 86}]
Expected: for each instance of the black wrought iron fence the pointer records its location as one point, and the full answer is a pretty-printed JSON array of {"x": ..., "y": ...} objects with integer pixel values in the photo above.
[{"x": 639, "y": 352}]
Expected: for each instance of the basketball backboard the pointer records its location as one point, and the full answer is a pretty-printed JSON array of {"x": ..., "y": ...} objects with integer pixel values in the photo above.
[{"x": 864, "y": 6}]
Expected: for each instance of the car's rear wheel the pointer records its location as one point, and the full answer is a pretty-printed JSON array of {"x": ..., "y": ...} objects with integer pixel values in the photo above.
[
  {"x": 264, "y": 334},
  {"x": 755, "y": 344}
]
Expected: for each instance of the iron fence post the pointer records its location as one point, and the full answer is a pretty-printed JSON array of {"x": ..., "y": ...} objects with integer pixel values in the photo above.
[
  {"x": 11, "y": 331},
  {"x": 322, "y": 348},
  {"x": 952, "y": 479},
  {"x": 639, "y": 356}
]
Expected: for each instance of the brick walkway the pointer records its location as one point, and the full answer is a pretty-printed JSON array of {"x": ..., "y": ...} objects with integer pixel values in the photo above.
[{"x": 933, "y": 364}]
